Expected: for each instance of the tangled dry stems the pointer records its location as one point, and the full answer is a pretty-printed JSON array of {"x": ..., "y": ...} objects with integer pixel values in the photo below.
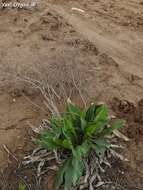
[
  {"x": 51, "y": 160},
  {"x": 95, "y": 166}
]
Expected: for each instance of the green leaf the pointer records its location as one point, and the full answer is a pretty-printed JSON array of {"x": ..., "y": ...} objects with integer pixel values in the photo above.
[
  {"x": 59, "y": 180},
  {"x": 102, "y": 142},
  {"x": 101, "y": 114},
  {"x": 77, "y": 167},
  {"x": 55, "y": 121},
  {"x": 72, "y": 109},
  {"x": 99, "y": 123},
  {"x": 118, "y": 124},
  {"x": 68, "y": 132},
  {"x": 109, "y": 130},
  {"x": 83, "y": 123},
  {"x": 68, "y": 178},
  {"x": 68, "y": 128},
  {"x": 100, "y": 150},
  {"x": 50, "y": 143},
  {"x": 95, "y": 128},
  {"x": 22, "y": 186},
  {"x": 69, "y": 173},
  {"x": 67, "y": 144},
  {"x": 90, "y": 114},
  {"x": 78, "y": 155}
]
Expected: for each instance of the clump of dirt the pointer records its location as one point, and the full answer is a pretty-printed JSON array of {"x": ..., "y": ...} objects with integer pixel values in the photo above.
[{"x": 133, "y": 115}]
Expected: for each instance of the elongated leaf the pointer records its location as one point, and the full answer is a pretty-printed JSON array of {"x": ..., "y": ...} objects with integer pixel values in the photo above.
[
  {"x": 109, "y": 130},
  {"x": 75, "y": 116},
  {"x": 95, "y": 128},
  {"x": 99, "y": 149},
  {"x": 67, "y": 144},
  {"x": 68, "y": 131},
  {"x": 50, "y": 144},
  {"x": 69, "y": 128},
  {"x": 22, "y": 186},
  {"x": 90, "y": 114},
  {"x": 77, "y": 167},
  {"x": 101, "y": 114},
  {"x": 99, "y": 123},
  {"x": 69, "y": 173},
  {"x": 102, "y": 142},
  {"x": 118, "y": 124},
  {"x": 78, "y": 155},
  {"x": 55, "y": 122},
  {"x": 59, "y": 180},
  {"x": 68, "y": 177},
  {"x": 83, "y": 124},
  {"x": 72, "y": 109}
]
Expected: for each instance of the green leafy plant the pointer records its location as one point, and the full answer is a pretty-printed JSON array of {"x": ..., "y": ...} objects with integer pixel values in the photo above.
[
  {"x": 77, "y": 132},
  {"x": 22, "y": 186}
]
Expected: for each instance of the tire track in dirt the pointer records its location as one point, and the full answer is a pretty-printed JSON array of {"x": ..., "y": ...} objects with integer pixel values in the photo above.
[{"x": 126, "y": 57}]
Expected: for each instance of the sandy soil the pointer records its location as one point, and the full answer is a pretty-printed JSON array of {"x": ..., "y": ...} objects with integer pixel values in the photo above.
[{"x": 103, "y": 46}]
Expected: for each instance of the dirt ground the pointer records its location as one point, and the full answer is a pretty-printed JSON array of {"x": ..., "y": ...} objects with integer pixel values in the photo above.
[{"x": 102, "y": 44}]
